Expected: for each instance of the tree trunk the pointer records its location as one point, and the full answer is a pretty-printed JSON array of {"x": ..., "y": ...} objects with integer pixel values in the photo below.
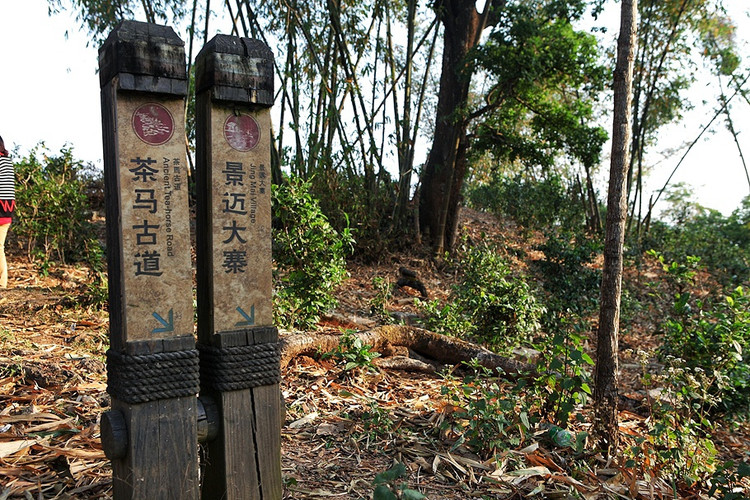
[
  {"x": 445, "y": 169},
  {"x": 606, "y": 377},
  {"x": 433, "y": 346}
]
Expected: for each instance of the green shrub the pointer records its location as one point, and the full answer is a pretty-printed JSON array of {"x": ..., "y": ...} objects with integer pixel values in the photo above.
[
  {"x": 309, "y": 255},
  {"x": 710, "y": 335},
  {"x": 491, "y": 415},
  {"x": 722, "y": 243},
  {"x": 489, "y": 304},
  {"x": 379, "y": 302},
  {"x": 353, "y": 353},
  {"x": 677, "y": 443},
  {"x": 501, "y": 307},
  {"x": 534, "y": 204},
  {"x": 377, "y": 421},
  {"x": 487, "y": 415},
  {"x": 96, "y": 292},
  {"x": 348, "y": 200},
  {"x": 713, "y": 336},
  {"x": 726, "y": 481},
  {"x": 563, "y": 378},
  {"x": 446, "y": 319},
  {"x": 53, "y": 215},
  {"x": 389, "y": 486},
  {"x": 568, "y": 278}
]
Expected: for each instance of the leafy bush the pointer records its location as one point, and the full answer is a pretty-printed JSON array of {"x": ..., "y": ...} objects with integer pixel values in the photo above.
[
  {"x": 379, "y": 302},
  {"x": 501, "y": 307},
  {"x": 677, "y": 444},
  {"x": 446, "y": 319},
  {"x": 489, "y": 304},
  {"x": 725, "y": 482},
  {"x": 713, "y": 336},
  {"x": 563, "y": 378},
  {"x": 722, "y": 243},
  {"x": 674, "y": 447},
  {"x": 355, "y": 354},
  {"x": 491, "y": 414},
  {"x": 572, "y": 283},
  {"x": 485, "y": 414},
  {"x": 53, "y": 214},
  {"x": 388, "y": 485},
  {"x": 309, "y": 255},
  {"x": 348, "y": 200},
  {"x": 96, "y": 292},
  {"x": 378, "y": 422},
  {"x": 534, "y": 204}
]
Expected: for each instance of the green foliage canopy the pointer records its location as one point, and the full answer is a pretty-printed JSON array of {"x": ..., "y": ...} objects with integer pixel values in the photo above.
[{"x": 545, "y": 76}]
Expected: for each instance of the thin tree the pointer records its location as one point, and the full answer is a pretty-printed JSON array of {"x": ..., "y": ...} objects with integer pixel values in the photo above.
[
  {"x": 670, "y": 33},
  {"x": 605, "y": 391}
]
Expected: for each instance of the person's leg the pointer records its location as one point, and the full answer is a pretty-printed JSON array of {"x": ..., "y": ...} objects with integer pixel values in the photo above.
[{"x": 3, "y": 263}]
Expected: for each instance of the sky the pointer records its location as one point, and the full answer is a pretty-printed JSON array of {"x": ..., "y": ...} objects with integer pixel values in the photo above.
[{"x": 49, "y": 92}]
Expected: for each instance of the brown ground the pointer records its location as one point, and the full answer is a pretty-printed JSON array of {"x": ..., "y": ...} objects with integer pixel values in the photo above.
[{"x": 53, "y": 390}]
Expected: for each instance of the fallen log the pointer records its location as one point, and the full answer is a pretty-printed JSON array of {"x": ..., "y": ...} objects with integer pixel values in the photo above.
[{"x": 385, "y": 339}]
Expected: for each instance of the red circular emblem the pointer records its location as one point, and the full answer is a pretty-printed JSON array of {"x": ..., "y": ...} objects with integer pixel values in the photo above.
[
  {"x": 153, "y": 124},
  {"x": 241, "y": 132}
]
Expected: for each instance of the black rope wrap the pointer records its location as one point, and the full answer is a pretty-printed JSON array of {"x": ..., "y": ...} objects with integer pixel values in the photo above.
[
  {"x": 149, "y": 377},
  {"x": 241, "y": 367}
]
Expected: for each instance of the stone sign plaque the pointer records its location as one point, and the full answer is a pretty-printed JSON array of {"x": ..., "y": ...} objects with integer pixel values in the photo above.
[
  {"x": 240, "y": 218},
  {"x": 153, "y": 190}
]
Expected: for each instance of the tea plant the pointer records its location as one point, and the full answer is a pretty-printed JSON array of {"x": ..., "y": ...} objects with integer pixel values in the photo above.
[
  {"x": 677, "y": 444},
  {"x": 388, "y": 485},
  {"x": 679, "y": 274},
  {"x": 563, "y": 383},
  {"x": 448, "y": 319},
  {"x": 53, "y": 207},
  {"x": 96, "y": 292},
  {"x": 379, "y": 302},
  {"x": 534, "y": 204},
  {"x": 353, "y": 353},
  {"x": 309, "y": 255},
  {"x": 726, "y": 481},
  {"x": 568, "y": 278},
  {"x": 485, "y": 414},
  {"x": 714, "y": 336},
  {"x": 489, "y": 304},
  {"x": 722, "y": 243},
  {"x": 377, "y": 421}
]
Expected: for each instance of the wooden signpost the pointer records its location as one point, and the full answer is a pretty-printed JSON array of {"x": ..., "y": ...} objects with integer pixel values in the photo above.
[
  {"x": 236, "y": 337},
  {"x": 155, "y": 372},
  {"x": 150, "y": 434}
]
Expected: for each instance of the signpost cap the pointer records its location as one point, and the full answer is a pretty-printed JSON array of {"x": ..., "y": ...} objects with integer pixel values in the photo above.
[
  {"x": 144, "y": 55},
  {"x": 237, "y": 70}
]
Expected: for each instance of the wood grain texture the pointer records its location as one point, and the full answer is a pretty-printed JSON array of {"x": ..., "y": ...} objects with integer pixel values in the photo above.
[
  {"x": 267, "y": 406},
  {"x": 162, "y": 455}
]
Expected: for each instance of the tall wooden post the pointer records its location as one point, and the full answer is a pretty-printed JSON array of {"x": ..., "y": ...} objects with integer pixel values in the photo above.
[
  {"x": 151, "y": 432},
  {"x": 237, "y": 342}
]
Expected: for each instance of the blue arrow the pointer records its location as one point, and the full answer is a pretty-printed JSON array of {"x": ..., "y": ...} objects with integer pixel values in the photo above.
[
  {"x": 249, "y": 320},
  {"x": 168, "y": 324}
]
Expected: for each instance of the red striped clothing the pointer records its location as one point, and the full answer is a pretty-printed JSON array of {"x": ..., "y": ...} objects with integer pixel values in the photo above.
[{"x": 7, "y": 190}]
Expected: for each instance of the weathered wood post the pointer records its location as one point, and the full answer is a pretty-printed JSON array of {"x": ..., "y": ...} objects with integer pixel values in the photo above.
[
  {"x": 150, "y": 433},
  {"x": 237, "y": 342}
]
